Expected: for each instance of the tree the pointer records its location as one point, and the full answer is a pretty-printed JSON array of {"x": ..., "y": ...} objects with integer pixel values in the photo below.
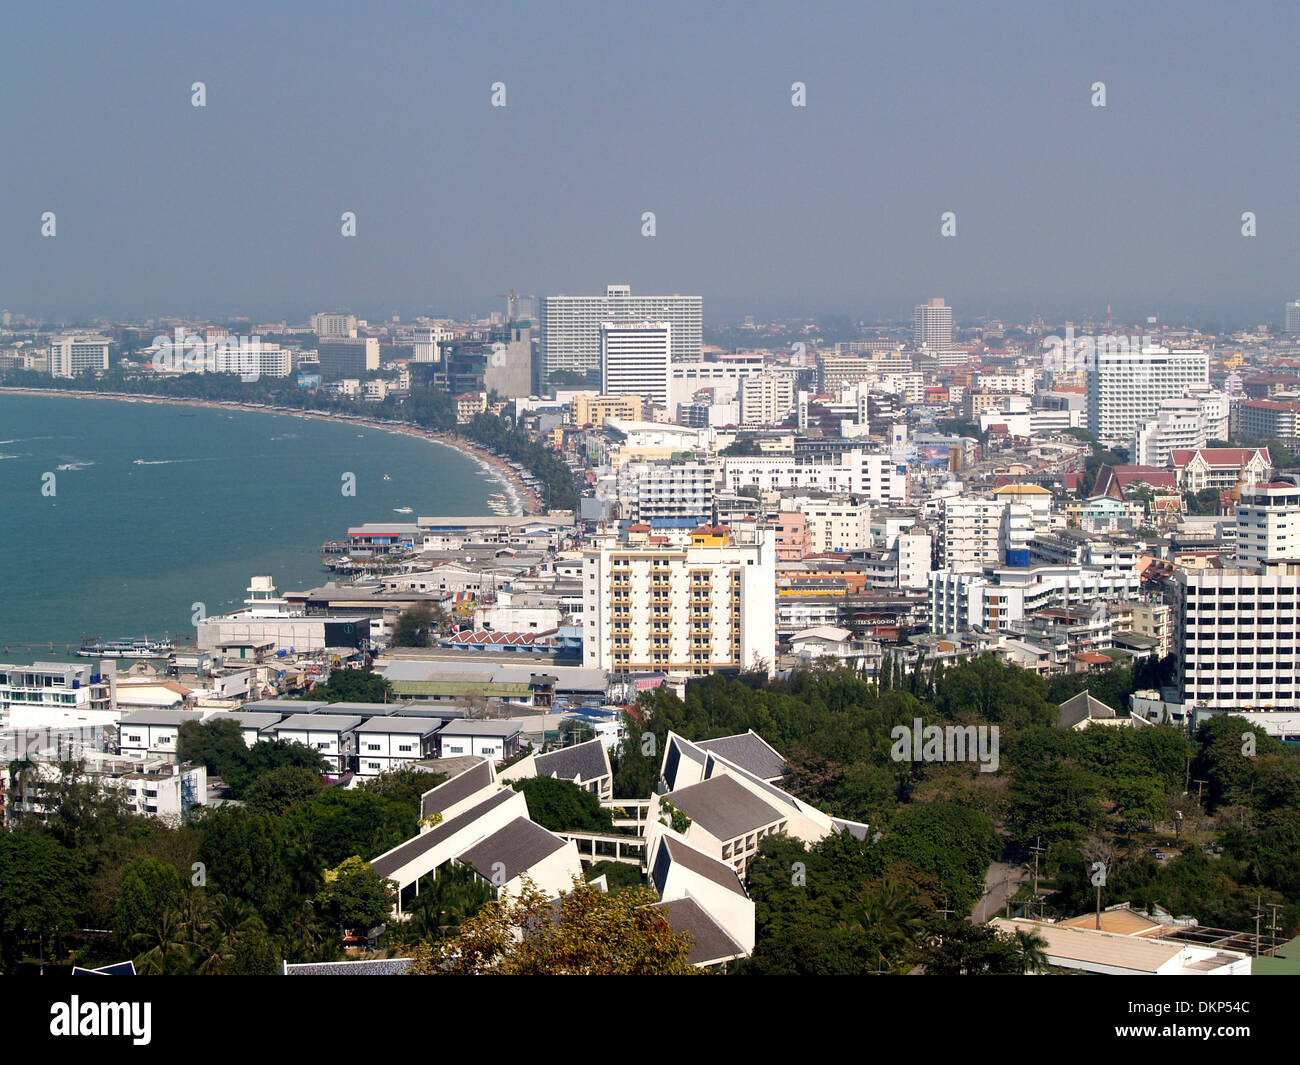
[
  {"x": 336, "y": 824},
  {"x": 354, "y": 686},
  {"x": 149, "y": 890},
  {"x": 562, "y": 806},
  {"x": 591, "y": 934},
  {"x": 40, "y": 890},
  {"x": 959, "y": 948},
  {"x": 243, "y": 856},
  {"x": 417, "y": 624},
  {"x": 406, "y": 784},
  {"x": 276, "y": 790},
  {"x": 355, "y": 896}
]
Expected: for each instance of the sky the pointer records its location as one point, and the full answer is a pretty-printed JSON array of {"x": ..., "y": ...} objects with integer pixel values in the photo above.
[{"x": 680, "y": 109}]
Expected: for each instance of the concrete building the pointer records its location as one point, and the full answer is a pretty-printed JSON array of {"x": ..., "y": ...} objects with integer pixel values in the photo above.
[
  {"x": 877, "y": 477},
  {"x": 334, "y": 325},
  {"x": 1268, "y": 523},
  {"x": 51, "y": 695},
  {"x": 347, "y": 358},
  {"x": 766, "y": 398},
  {"x": 71, "y": 355},
  {"x": 688, "y": 609},
  {"x": 635, "y": 360},
  {"x": 1126, "y": 387},
  {"x": 932, "y": 325},
  {"x": 571, "y": 327}
]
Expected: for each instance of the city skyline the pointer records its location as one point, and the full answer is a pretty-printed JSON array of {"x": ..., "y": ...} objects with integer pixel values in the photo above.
[{"x": 760, "y": 205}]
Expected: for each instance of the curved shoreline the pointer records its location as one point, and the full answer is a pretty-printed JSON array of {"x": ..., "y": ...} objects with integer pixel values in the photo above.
[{"x": 522, "y": 499}]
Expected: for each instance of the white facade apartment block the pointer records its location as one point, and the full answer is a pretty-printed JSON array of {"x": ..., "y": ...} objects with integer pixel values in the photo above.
[
  {"x": 334, "y": 325},
  {"x": 635, "y": 360},
  {"x": 1178, "y": 423},
  {"x": 1125, "y": 387},
  {"x": 427, "y": 341},
  {"x": 571, "y": 326},
  {"x": 855, "y": 472},
  {"x": 692, "y": 610},
  {"x": 932, "y": 325},
  {"x": 834, "y": 524},
  {"x": 667, "y": 494},
  {"x": 914, "y": 559},
  {"x": 973, "y": 534},
  {"x": 1268, "y": 523},
  {"x": 55, "y": 695},
  {"x": 766, "y": 398},
  {"x": 71, "y": 355},
  {"x": 1221, "y": 613}
]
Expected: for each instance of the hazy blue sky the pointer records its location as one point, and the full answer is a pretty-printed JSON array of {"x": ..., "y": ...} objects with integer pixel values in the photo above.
[{"x": 681, "y": 109}]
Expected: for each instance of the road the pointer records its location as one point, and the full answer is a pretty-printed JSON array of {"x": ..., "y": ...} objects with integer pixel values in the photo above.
[{"x": 1000, "y": 883}]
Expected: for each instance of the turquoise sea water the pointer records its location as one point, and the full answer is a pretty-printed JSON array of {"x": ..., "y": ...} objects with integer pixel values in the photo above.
[{"x": 124, "y": 548}]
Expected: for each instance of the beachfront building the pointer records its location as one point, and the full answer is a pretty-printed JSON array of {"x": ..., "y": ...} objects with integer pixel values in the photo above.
[
  {"x": 71, "y": 355},
  {"x": 55, "y": 695}
]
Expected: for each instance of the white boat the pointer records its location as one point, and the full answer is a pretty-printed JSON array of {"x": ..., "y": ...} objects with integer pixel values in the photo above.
[{"x": 403, "y": 510}]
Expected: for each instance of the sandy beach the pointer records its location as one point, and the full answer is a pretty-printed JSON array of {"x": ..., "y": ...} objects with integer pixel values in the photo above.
[{"x": 520, "y": 498}]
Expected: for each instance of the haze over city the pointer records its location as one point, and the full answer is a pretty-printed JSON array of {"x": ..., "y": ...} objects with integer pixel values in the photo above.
[{"x": 761, "y": 207}]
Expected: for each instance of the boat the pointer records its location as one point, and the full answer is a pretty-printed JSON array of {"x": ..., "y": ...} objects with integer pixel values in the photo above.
[
  {"x": 403, "y": 510},
  {"x": 387, "y": 478},
  {"x": 145, "y": 648}
]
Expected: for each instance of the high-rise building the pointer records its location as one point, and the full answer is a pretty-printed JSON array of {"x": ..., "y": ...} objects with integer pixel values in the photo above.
[
  {"x": 426, "y": 342},
  {"x": 1293, "y": 318},
  {"x": 766, "y": 398},
  {"x": 1235, "y": 640},
  {"x": 344, "y": 358},
  {"x": 1268, "y": 523},
  {"x": 694, "y": 609},
  {"x": 571, "y": 327},
  {"x": 71, "y": 355},
  {"x": 334, "y": 325},
  {"x": 635, "y": 360},
  {"x": 1125, "y": 386},
  {"x": 932, "y": 325}
]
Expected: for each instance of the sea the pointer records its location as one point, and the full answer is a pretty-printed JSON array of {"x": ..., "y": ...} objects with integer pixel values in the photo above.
[{"x": 117, "y": 518}]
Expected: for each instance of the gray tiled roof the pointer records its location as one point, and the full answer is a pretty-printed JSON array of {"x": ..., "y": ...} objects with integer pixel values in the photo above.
[
  {"x": 388, "y": 863},
  {"x": 586, "y": 760},
  {"x": 1083, "y": 706},
  {"x": 371, "y": 967},
  {"x": 673, "y": 851},
  {"x": 711, "y": 942},
  {"x": 724, "y": 807},
  {"x": 452, "y": 791},
  {"x": 518, "y": 847},
  {"x": 750, "y": 752}
]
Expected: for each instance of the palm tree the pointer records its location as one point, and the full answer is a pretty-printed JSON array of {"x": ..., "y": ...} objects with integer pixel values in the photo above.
[
  {"x": 888, "y": 913},
  {"x": 1033, "y": 950},
  {"x": 164, "y": 950}
]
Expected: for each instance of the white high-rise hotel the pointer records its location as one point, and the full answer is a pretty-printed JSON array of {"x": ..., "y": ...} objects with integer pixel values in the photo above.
[
  {"x": 932, "y": 325},
  {"x": 1125, "y": 386},
  {"x": 71, "y": 355},
  {"x": 571, "y": 326},
  {"x": 635, "y": 360},
  {"x": 697, "y": 609}
]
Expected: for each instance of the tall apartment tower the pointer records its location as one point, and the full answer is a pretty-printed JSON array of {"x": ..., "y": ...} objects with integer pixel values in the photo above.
[
  {"x": 636, "y": 360},
  {"x": 1293, "y": 318},
  {"x": 1268, "y": 523},
  {"x": 932, "y": 325},
  {"x": 695, "y": 609},
  {"x": 1126, "y": 386},
  {"x": 71, "y": 355},
  {"x": 571, "y": 327}
]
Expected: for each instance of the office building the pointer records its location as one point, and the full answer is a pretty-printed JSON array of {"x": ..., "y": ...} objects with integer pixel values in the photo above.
[
  {"x": 766, "y": 398},
  {"x": 571, "y": 327},
  {"x": 932, "y": 325},
  {"x": 334, "y": 325},
  {"x": 1126, "y": 387},
  {"x": 347, "y": 358},
  {"x": 72, "y": 355},
  {"x": 635, "y": 360},
  {"x": 1293, "y": 318},
  {"x": 1268, "y": 523}
]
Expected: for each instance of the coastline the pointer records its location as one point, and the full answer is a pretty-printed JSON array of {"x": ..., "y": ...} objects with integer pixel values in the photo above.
[{"x": 521, "y": 498}]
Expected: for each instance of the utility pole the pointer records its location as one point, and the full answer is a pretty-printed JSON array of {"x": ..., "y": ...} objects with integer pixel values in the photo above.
[
  {"x": 1259, "y": 915},
  {"x": 1036, "y": 849}
]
